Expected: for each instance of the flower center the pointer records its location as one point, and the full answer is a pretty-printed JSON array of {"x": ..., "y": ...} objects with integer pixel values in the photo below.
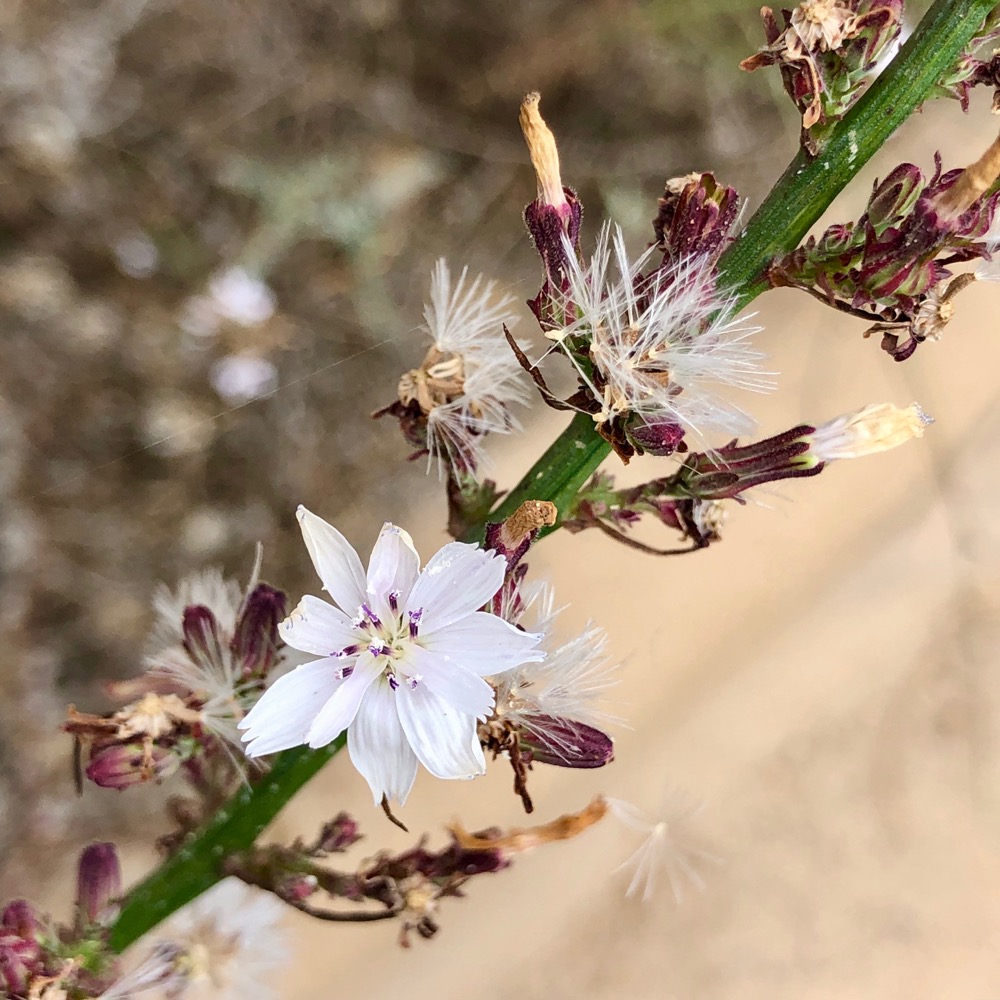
[{"x": 385, "y": 639}]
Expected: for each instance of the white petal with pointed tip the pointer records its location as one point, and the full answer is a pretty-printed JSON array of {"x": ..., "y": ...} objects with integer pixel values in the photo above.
[
  {"x": 444, "y": 739},
  {"x": 459, "y": 579},
  {"x": 317, "y": 627},
  {"x": 394, "y": 565},
  {"x": 286, "y": 710},
  {"x": 484, "y": 644},
  {"x": 336, "y": 562},
  {"x": 378, "y": 745}
]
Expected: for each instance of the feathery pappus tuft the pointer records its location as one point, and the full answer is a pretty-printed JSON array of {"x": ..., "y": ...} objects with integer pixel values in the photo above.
[
  {"x": 469, "y": 380},
  {"x": 659, "y": 342},
  {"x": 669, "y": 847}
]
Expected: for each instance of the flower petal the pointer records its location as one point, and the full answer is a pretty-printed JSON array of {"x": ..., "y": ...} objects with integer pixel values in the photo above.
[
  {"x": 285, "y": 711},
  {"x": 339, "y": 712},
  {"x": 378, "y": 745},
  {"x": 445, "y": 740},
  {"x": 394, "y": 565},
  {"x": 459, "y": 687},
  {"x": 459, "y": 579},
  {"x": 483, "y": 644},
  {"x": 336, "y": 562},
  {"x": 317, "y": 627}
]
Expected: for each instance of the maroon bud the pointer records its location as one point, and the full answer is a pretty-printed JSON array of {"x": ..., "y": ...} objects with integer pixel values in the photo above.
[
  {"x": 659, "y": 439},
  {"x": 567, "y": 743},
  {"x": 98, "y": 884},
  {"x": 696, "y": 215},
  {"x": 255, "y": 642},
  {"x": 202, "y": 637},
  {"x": 122, "y": 765}
]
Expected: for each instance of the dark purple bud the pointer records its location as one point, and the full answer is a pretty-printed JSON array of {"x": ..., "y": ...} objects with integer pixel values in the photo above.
[
  {"x": 255, "y": 642},
  {"x": 202, "y": 638},
  {"x": 696, "y": 215},
  {"x": 566, "y": 743},
  {"x": 122, "y": 765},
  {"x": 659, "y": 439},
  {"x": 732, "y": 470},
  {"x": 98, "y": 884}
]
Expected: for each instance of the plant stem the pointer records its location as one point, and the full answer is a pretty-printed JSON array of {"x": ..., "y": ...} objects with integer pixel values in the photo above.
[
  {"x": 196, "y": 866},
  {"x": 796, "y": 202}
]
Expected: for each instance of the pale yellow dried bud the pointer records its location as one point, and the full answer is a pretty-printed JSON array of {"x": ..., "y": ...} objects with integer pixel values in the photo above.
[
  {"x": 544, "y": 154},
  {"x": 877, "y": 427},
  {"x": 974, "y": 182},
  {"x": 530, "y": 516}
]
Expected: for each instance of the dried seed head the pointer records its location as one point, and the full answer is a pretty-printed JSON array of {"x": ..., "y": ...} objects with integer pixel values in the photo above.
[{"x": 823, "y": 25}]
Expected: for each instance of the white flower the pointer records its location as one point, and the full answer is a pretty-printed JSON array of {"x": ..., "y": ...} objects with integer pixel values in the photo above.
[
  {"x": 404, "y": 655},
  {"x": 659, "y": 343},
  {"x": 470, "y": 378},
  {"x": 224, "y": 943},
  {"x": 668, "y": 847},
  {"x": 874, "y": 428}
]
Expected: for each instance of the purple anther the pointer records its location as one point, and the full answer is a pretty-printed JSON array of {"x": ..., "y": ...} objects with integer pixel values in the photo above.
[
  {"x": 344, "y": 672},
  {"x": 393, "y": 683},
  {"x": 412, "y": 682},
  {"x": 415, "y": 617},
  {"x": 371, "y": 616},
  {"x": 393, "y": 597},
  {"x": 346, "y": 651}
]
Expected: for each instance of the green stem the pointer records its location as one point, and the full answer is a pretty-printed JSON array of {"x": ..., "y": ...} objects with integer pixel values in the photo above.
[
  {"x": 802, "y": 194},
  {"x": 196, "y": 866}
]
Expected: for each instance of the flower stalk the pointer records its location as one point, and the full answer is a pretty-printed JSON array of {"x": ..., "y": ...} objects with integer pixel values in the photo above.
[{"x": 805, "y": 190}]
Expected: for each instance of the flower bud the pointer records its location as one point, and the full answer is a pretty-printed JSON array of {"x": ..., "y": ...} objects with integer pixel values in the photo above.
[
  {"x": 894, "y": 198},
  {"x": 122, "y": 765},
  {"x": 696, "y": 215},
  {"x": 98, "y": 884},
  {"x": 661, "y": 438},
  {"x": 553, "y": 218},
  {"x": 255, "y": 642},
  {"x": 566, "y": 743},
  {"x": 201, "y": 634}
]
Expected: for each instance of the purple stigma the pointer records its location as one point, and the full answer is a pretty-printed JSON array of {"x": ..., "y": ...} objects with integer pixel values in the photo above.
[
  {"x": 415, "y": 617},
  {"x": 393, "y": 683},
  {"x": 346, "y": 651},
  {"x": 371, "y": 616},
  {"x": 378, "y": 647}
]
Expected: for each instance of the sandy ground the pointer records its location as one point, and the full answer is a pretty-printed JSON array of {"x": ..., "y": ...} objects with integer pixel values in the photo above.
[{"x": 825, "y": 683}]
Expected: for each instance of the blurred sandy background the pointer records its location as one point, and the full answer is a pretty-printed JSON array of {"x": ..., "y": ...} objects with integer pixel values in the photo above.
[{"x": 825, "y": 680}]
